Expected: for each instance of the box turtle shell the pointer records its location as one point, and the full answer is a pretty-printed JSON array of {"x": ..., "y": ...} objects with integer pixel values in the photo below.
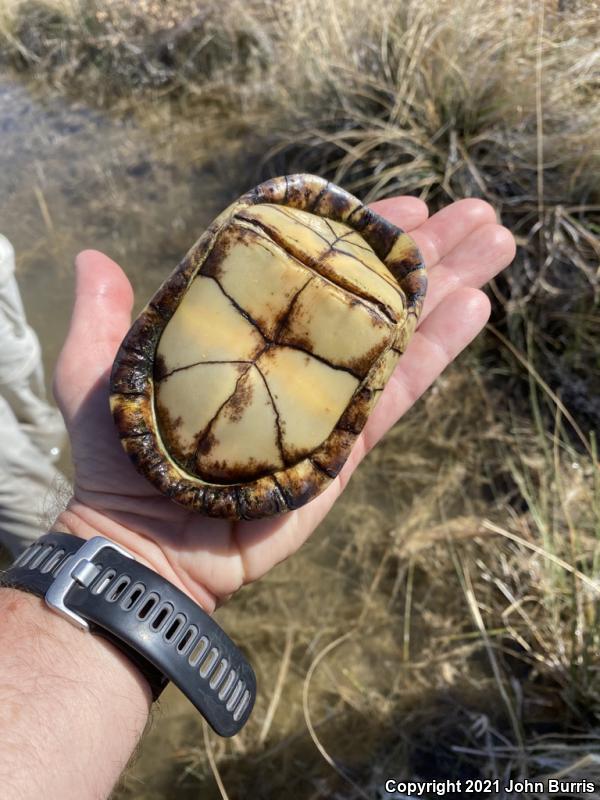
[{"x": 242, "y": 386}]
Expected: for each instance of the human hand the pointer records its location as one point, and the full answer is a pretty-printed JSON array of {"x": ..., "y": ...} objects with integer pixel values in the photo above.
[{"x": 463, "y": 248}]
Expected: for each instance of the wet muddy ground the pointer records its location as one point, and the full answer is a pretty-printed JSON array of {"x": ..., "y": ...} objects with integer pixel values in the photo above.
[
  {"x": 401, "y": 686},
  {"x": 73, "y": 178}
]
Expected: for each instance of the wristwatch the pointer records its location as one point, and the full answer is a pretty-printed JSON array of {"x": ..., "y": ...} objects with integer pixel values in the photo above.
[{"x": 100, "y": 587}]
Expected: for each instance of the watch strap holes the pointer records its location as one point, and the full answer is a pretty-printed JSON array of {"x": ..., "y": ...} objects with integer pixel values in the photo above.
[
  {"x": 209, "y": 663},
  {"x": 200, "y": 648},
  {"x": 219, "y": 674},
  {"x": 228, "y": 685},
  {"x": 53, "y": 561},
  {"x": 148, "y": 605},
  {"x": 186, "y": 640},
  {"x": 103, "y": 581},
  {"x": 26, "y": 555},
  {"x": 161, "y": 616},
  {"x": 175, "y": 627},
  {"x": 132, "y": 596},
  {"x": 117, "y": 589},
  {"x": 242, "y": 706},
  {"x": 173, "y": 637},
  {"x": 67, "y": 560},
  {"x": 41, "y": 556},
  {"x": 235, "y": 695}
]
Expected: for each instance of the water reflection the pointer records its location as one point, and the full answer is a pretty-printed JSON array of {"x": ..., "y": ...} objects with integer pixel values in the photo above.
[{"x": 72, "y": 177}]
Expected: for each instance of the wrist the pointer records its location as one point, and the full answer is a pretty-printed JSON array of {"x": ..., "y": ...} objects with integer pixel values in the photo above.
[
  {"x": 84, "y": 520},
  {"x": 63, "y": 696},
  {"x": 100, "y": 587}
]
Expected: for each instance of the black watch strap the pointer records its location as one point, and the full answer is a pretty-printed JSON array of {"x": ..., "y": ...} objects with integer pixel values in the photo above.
[{"x": 99, "y": 586}]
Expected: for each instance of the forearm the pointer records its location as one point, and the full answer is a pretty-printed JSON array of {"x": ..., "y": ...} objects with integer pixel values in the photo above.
[{"x": 72, "y": 708}]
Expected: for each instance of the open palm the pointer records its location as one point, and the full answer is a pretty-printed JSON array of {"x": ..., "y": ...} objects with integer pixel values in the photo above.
[{"x": 463, "y": 248}]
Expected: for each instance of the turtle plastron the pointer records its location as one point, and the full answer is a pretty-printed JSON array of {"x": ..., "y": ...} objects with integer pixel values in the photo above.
[{"x": 240, "y": 389}]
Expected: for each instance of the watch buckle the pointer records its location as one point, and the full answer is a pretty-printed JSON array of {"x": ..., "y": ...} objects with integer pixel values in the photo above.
[{"x": 78, "y": 568}]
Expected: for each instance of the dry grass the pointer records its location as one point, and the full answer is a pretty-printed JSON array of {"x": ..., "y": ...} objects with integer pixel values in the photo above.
[
  {"x": 447, "y": 628},
  {"x": 443, "y": 623},
  {"x": 444, "y": 99}
]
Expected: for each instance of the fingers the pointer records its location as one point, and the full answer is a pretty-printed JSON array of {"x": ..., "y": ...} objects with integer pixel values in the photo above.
[
  {"x": 406, "y": 212},
  {"x": 462, "y": 245},
  {"x": 440, "y": 234},
  {"x": 101, "y": 317},
  {"x": 473, "y": 262},
  {"x": 103, "y": 298},
  {"x": 471, "y": 248},
  {"x": 449, "y": 328}
]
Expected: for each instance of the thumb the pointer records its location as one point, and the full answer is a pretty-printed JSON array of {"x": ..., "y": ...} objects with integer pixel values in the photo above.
[{"x": 100, "y": 319}]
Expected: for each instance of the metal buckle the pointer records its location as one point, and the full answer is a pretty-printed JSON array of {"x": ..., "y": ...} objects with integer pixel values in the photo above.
[{"x": 78, "y": 568}]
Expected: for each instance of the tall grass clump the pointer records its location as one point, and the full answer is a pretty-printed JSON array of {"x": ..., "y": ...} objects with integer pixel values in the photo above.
[
  {"x": 444, "y": 622},
  {"x": 444, "y": 99}
]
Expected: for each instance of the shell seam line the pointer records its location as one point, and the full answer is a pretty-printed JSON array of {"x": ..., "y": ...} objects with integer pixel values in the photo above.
[
  {"x": 277, "y": 417},
  {"x": 316, "y": 465},
  {"x": 281, "y": 491},
  {"x": 238, "y": 307},
  {"x": 337, "y": 239},
  {"x": 285, "y": 319},
  {"x": 200, "y": 364},
  {"x": 333, "y": 248},
  {"x": 367, "y": 302},
  {"x": 212, "y": 421},
  {"x": 331, "y": 245},
  {"x": 364, "y": 247},
  {"x": 360, "y": 207},
  {"x": 319, "y": 196},
  {"x": 271, "y": 342}
]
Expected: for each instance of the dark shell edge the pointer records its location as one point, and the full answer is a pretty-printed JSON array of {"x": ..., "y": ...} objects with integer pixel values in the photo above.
[{"x": 132, "y": 387}]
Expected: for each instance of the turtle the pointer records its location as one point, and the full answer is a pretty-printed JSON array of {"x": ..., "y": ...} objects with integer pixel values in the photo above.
[{"x": 242, "y": 386}]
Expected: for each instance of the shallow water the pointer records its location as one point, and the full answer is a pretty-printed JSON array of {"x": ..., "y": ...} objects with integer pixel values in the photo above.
[{"x": 72, "y": 177}]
